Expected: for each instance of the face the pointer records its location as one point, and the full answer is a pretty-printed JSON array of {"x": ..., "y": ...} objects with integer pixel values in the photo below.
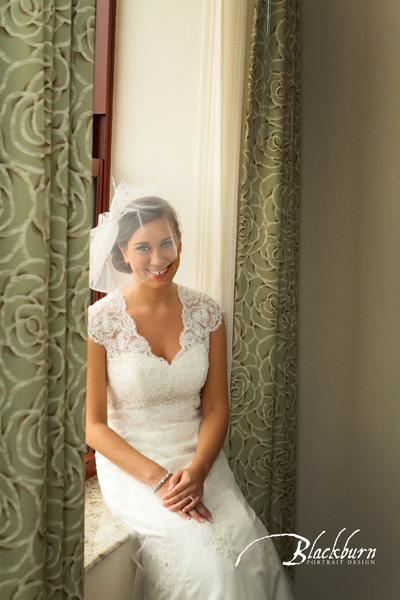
[{"x": 153, "y": 253}]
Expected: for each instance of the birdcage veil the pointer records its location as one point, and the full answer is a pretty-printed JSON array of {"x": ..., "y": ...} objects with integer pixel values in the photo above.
[{"x": 130, "y": 202}]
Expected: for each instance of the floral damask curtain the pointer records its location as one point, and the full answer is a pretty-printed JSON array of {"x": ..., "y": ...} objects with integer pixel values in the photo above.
[
  {"x": 46, "y": 88},
  {"x": 263, "y": 384}
]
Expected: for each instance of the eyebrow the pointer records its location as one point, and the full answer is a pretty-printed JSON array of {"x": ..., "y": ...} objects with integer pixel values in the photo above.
[{"x": 170, "y": 237}]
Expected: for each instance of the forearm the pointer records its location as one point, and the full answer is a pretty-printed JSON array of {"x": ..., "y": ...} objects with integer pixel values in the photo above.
[
  {"x": 111, "y": 445},
  {"x": 214, "y": 405},
  {"x": 212, "y": 434},
  {"x": 189, "y": 483}
]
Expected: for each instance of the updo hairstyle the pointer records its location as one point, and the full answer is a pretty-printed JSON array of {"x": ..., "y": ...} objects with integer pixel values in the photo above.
[{"x": 151, "y": 208}]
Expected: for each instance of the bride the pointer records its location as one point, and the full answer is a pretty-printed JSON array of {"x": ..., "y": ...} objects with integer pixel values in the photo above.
[{"x": 157, "y": 415}]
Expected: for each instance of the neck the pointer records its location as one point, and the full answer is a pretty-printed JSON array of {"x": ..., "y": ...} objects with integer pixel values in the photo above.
[{"x": 145, "y": 295}]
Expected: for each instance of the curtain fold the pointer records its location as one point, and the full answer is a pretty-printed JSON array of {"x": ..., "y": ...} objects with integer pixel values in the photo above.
[
  {"x": 221, "y": 101},
  {"x": 46, "y": 92},
  {"x": 221, "y": 104},
  {"x": 264, "y": 369}
]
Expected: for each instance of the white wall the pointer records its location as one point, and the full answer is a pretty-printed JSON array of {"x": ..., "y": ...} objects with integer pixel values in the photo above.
[
  {"x": 155, "y": 121},
  {"x": 349, "y": 319}
]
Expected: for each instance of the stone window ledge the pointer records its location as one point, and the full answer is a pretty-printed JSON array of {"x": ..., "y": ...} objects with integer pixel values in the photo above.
[{"x": 103, "y": 534}]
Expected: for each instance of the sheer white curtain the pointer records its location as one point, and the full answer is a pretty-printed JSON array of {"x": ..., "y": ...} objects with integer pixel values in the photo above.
[{"x": 222, "y": 81}]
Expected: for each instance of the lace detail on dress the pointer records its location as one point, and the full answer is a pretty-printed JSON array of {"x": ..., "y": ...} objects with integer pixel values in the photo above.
[
  {"x": 168, "y": 572},
  {"x": 269, "y": 554},
  {"x": 201, "y": 315},
  {"x": 217, "y": 482},
  {"x": 111, "y": 325},
  {"x": 113, "y": 400},
  {"x": 219, "y": 534}
]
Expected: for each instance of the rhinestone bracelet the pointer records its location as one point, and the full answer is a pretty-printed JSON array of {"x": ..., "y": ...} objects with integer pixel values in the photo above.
[{"x": 159, "y": 484}]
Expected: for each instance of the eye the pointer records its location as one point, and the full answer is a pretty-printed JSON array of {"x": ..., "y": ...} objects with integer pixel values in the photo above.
[
  {"x": 167, "y": 244},
  {"x": 143, "y": 248}
]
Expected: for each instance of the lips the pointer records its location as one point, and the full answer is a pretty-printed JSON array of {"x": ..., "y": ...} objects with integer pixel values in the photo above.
[{"x": 159, "y": 274}]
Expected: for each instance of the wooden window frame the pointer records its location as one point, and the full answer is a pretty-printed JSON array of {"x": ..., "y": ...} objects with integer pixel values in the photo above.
[{"x": 104, "y": 50}]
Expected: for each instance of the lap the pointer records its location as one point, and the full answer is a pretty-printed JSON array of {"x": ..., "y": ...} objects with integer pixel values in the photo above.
[{"x": 176, "y": 558}]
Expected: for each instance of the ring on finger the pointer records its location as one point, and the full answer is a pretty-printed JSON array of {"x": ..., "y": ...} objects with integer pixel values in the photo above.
[{"x": 191, "y": 498}]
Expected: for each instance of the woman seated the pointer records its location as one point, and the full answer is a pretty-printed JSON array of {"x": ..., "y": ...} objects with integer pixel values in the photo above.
[{"x": 157, "y": 415}]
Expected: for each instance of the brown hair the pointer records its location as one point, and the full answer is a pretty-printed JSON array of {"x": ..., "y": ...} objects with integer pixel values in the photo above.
[{"x": 149, "y": 209}]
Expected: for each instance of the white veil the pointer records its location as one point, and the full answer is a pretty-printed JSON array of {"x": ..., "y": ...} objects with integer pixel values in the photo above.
[{"x": 103, "y": 275}]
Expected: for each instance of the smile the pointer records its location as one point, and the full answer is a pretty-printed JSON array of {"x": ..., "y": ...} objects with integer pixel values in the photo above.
[{"x": 158, "y": 273}]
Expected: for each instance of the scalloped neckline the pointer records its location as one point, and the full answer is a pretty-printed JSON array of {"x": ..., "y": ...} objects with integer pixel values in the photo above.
[{"x": 146, "y": 341}]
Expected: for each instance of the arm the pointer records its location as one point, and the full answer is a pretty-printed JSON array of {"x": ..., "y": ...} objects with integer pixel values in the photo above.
[
  {"x": 107, "y": 441},
  {"x": 212, "y": 432},
  {"x": 214, "y": 405},
  {"x": 99, "y": 435}
]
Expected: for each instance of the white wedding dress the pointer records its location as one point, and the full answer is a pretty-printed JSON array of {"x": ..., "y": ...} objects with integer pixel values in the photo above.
[{"x": 155, "y": 406}]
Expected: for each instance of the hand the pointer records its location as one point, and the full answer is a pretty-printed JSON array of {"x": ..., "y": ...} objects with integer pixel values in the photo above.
[
  {"x": 183, "y": 484},
  {"x": 200, "y": 513}
]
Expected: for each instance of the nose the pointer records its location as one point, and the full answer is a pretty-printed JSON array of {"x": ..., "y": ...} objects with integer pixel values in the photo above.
[{"x": 157, "y": 259}]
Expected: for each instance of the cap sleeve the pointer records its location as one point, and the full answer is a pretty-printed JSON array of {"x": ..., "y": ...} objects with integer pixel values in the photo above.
[
  {"x": 215, "y": 314},
  {"x": 95, "y": 325},
  {"x": 202, "y": 315},
  {"x": 206, "y": 313}
]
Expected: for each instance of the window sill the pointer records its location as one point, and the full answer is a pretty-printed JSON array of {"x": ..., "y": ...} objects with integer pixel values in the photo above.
[{"x": 103, "y": 534}]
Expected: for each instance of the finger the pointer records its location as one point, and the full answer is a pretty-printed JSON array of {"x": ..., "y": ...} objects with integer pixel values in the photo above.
[
  {"x": 191, "y": 503},
  {"x": 184, "y": 515},
  {"x": 196, "y": 516},
  {"x": 174, "y": 480},
  {"x": 178, "y": 505},
  {"x": 173, "y": 498},
  {"x": 204, "y": 512},
  {"x": 178, "y": 488}
]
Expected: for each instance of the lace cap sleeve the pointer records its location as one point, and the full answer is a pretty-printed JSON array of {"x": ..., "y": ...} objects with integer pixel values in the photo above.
[
  {"x": 203, "y": 315},
  {"x": 215, "y": 313},
  {"x": 95, "y": 326}
]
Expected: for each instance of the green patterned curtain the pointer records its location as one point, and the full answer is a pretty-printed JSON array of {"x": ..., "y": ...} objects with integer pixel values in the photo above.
[
  {"x": 263, "y": 385},
  {"x": 46, "y": 89}
]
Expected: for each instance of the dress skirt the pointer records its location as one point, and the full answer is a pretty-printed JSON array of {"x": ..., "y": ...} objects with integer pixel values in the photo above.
[{"x": 186, "y": 560}]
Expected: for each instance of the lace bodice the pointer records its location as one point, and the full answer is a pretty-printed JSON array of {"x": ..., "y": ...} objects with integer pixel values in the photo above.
[
  {"x": 154, "y": 404},
  {"x": 111, "y": 325}
]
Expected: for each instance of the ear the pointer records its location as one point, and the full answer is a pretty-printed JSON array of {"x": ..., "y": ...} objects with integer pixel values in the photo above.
[{"x": 123, "y": 254}]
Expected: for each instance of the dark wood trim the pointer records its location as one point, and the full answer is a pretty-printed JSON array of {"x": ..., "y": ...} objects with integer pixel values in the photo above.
[
  {"x": 104, "y": 50},
  {"x": 98, "y": 175},
  {"x": 90, "y": 465},
  {"x": 98, "y": 172}
]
